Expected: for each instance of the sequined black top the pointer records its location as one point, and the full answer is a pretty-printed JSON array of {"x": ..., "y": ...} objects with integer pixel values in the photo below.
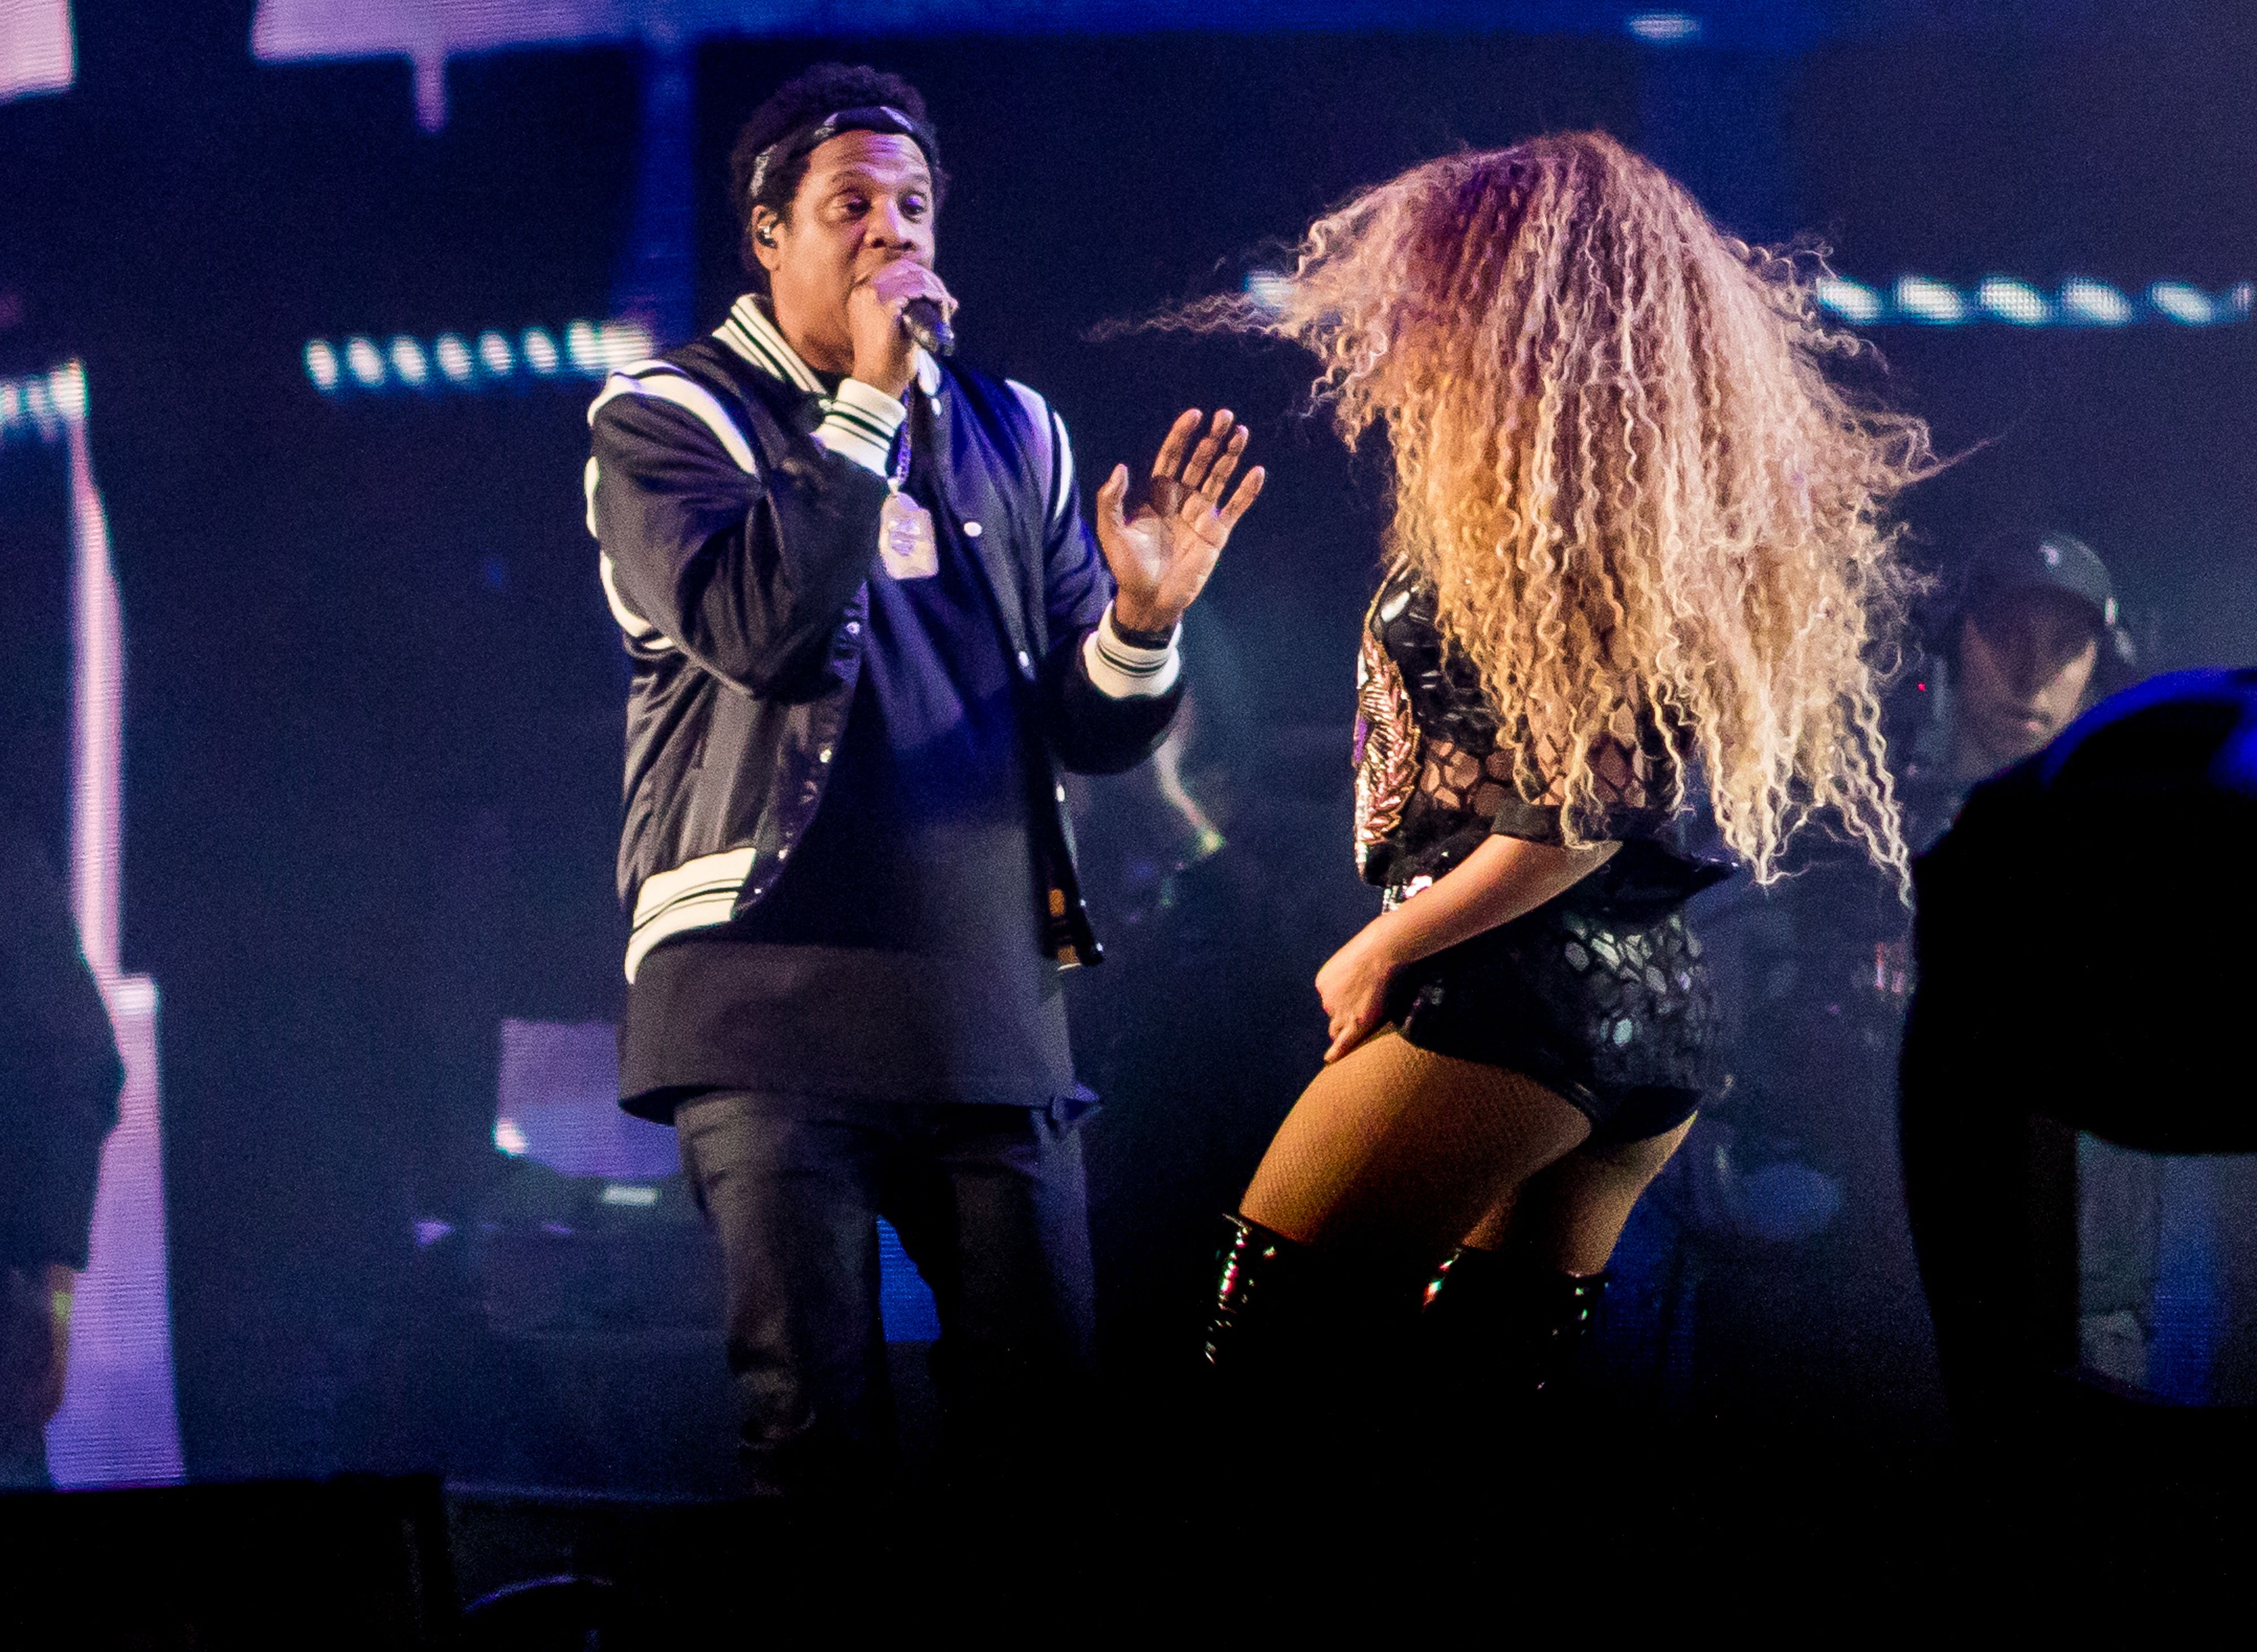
[{"x": 1599, "y": 994}]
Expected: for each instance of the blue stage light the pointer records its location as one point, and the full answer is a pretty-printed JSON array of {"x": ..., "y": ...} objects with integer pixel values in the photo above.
[
  {"x": 1920, "y": 298},
  {"x": 1664, "y": 28},
  {"x": 2094, "y": 303},
  {"x": 409, "y": 362},
  {"x": 540, "y": 350},
  {"x": 367, "y": 366},
  {"x": 1269, "y": 289},
  {"x": 41, "y": 406},
  {"x": 37, "y": 407},
  {"x": 591, "y": 350},
  {"x": 454, "y": 358},
  {"x": 1853, "y": 301},
  {"x": 2006, "y": 299},
  {"x": 2082, "y": 301},
  {"x": 2188, "y": 305}
]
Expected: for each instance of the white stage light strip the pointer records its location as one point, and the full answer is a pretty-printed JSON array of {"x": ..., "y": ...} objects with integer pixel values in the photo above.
[
  {"x": 2095, "y": 303},
  {"x": 1918, "y": 299},
  {"x": 2004, "y": 298},
  {"x": 1664, "y": 28},
  {"x": 1921, "y": 300},
  {"x": 1852, "y": 301},
  {"x": 486, "y": 360},
  {"x": 2188, "y": 305}
]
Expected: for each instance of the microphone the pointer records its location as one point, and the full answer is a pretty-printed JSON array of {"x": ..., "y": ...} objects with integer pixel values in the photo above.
[{"x": 922, "y": 321}]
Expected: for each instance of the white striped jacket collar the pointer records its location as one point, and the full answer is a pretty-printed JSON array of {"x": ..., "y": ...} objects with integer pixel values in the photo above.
[{"x": 750, "y": 333}]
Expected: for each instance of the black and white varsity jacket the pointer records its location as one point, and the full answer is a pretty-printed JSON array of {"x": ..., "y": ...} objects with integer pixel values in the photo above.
[{"x": 736, "y": 506}]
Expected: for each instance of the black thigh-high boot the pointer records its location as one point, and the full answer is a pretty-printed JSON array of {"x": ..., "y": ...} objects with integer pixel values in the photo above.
[
  {"x": 1307, "y": 1344},
  {"x": 1500, "y": 1329},
  {"x": 1263, "y": 1287},
  {"x": 1501, "y": 1335},
  {"x": 1308, "y": 1356},
  {"x": 1253, "y": 1405}
]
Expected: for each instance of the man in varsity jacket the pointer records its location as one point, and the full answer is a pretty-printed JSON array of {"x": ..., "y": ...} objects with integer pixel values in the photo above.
[{"x": 869, "y": 628}]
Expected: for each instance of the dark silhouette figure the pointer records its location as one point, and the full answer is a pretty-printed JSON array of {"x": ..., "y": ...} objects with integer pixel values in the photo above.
[
  {"x": 2082, "y": 965},
  {"x": 60, "y": 1079}
]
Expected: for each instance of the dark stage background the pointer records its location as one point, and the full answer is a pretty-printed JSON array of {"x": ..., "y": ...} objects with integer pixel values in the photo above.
[{"x": 374, "y": 695}]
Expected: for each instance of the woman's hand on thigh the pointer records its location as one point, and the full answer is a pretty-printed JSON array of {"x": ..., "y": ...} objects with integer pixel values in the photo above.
[{"x": 1353, "y": 987}]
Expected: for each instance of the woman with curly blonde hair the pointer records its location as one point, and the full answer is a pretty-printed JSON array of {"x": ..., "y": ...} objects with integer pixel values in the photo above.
[{"x": 1639, "y": 572}]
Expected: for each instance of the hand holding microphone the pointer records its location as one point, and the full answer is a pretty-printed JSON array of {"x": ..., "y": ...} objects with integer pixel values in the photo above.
[
  {"x": 927, "y": 325},
  {"x": 892, "y": 312}
]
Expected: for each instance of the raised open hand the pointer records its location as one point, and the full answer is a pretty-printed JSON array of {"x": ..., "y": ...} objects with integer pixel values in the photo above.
[{"x": 1162, "y": 556}]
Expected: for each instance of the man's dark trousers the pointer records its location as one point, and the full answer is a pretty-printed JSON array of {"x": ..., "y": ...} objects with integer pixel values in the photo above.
[{"x": 990, "y": 1205}]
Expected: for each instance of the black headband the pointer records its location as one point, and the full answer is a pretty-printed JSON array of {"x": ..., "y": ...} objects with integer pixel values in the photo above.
[{"x": 877, "y": 117}]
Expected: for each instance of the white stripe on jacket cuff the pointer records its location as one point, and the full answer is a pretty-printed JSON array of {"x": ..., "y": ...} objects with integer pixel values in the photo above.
[
  {"x": 860, "y": 425},
  {"x": 1125, "y": 672}
]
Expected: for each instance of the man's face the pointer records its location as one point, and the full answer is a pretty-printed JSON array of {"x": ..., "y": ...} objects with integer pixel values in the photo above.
[
  {"x": 2025, "y": 659},
  {"x": 866, "y": 200}
]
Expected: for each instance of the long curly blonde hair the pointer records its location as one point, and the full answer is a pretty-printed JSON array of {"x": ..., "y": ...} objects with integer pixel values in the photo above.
[{"x": 1624, "y": 468}]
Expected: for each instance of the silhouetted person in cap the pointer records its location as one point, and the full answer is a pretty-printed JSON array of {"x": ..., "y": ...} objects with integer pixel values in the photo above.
[{"x": 2034, "y": 640}]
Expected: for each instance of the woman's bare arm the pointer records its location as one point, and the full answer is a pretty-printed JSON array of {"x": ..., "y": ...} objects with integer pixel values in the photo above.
[{"x": 1506, "y": 877}]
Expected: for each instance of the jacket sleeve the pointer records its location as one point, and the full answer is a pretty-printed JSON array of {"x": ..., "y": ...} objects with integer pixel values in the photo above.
[
  {"x": 745, "y": 569},
  {"x": 59, "y": 1072},
  {"x": 1106, "y": 705}
]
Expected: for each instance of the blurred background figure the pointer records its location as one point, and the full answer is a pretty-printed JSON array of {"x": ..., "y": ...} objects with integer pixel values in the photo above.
[
  {"x": 1793, "y": 1234},
  {"x": 2061, "y": 1050},
  {"x": 60, "y": 1077},
  {"x": 2035, "y": 638}
]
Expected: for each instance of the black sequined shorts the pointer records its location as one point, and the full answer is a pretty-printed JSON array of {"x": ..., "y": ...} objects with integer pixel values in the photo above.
[{"x": 1615, "y": 1016}]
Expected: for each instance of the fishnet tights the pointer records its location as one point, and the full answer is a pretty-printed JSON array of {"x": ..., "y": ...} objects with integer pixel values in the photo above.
[
  {"x": 1568, "y": 1215},
  {"x": 1396, "y": 1149}
]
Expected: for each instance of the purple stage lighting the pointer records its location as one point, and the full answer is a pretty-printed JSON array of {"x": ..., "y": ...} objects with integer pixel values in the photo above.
[
  {"x": 118, "y": 1424},
  {"x": 37, "y": 51}
]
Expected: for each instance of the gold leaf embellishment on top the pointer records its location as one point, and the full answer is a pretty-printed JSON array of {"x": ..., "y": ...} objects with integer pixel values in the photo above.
[{"x": 1386, "y": 747}]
